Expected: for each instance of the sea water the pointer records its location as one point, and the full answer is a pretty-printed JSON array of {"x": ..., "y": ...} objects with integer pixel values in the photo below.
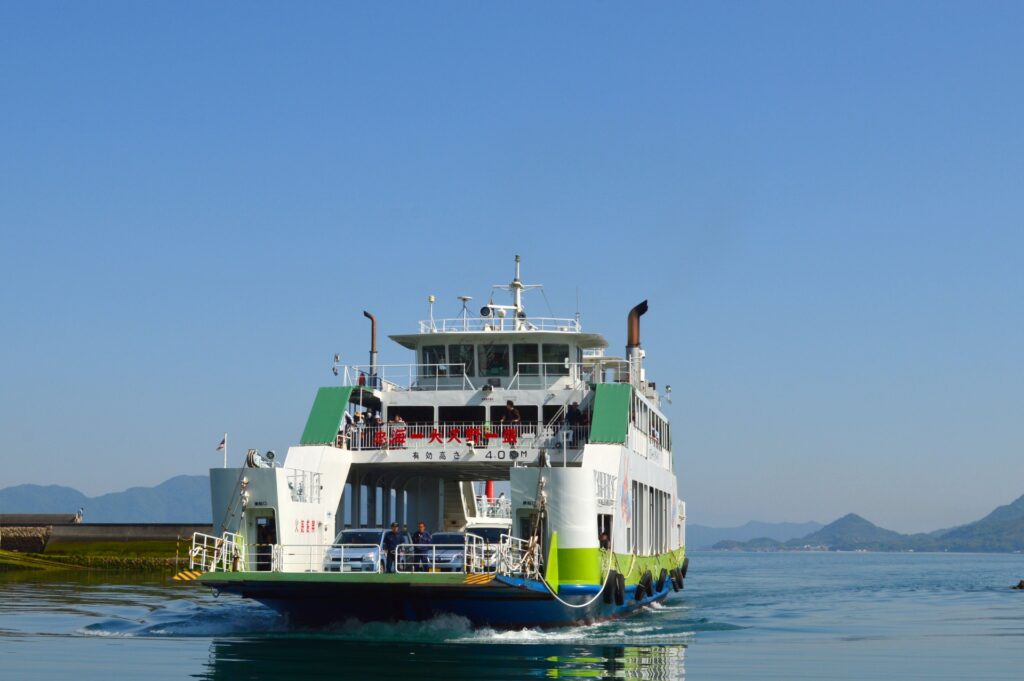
[{"x": 742, "y": 616}]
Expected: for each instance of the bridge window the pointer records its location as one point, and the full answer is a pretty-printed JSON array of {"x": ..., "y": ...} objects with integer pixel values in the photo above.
[
  {"x": 461, "y": 355},
  {"x": 555, "y": 355},
  {"x": 494, "y": 360},
  {"x": 461, "y": 414},
  {"x": 526, "y": 358},
  {"x": 418, "y": 415},
  {"x": 433, "y": 356},
  {"x": 528, "y": 413}
]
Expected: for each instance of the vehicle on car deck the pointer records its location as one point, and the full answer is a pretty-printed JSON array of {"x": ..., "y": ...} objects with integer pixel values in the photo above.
[{"x": 359, "y": 550}]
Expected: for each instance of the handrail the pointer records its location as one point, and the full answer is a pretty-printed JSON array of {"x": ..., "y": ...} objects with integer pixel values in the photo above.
[
  {"x": 498, "y": 324},
  {"x": 210, "y": 554}
]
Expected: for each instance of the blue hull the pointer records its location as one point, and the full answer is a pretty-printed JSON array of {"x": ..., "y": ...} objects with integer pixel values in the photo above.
[{"x": 502, "y": 603}]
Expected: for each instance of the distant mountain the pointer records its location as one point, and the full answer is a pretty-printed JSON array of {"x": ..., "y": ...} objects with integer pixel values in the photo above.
[
  {"x": 1002, "y": 530},
  {"x": 702, "y": 536},
  {"x": 182, "y": 499},
  {"x": 849, "y": 533}
]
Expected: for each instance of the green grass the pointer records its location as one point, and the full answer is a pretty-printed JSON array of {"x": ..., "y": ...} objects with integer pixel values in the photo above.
[
  {"x": 12, "y": 560},
  {"x": 114, "y": 549}
]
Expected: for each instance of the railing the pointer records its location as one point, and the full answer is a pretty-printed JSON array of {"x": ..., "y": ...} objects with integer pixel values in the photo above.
[
  {"x": 493, "y": 508},
  {"x": 225, "y": 553},
  {"x": 407, "y": 377},
  {"x": 397, "y": 436},
  {"x": 544, "y": 375},
  {"x": 472, "y": 556},
  {"x": 511, "y": 556},
  {"x": 498, "y": 323},
  {"x": 335, "y": 558},
  {"x": 304, "y": 486},
  {"x": 518, "y": 557},
  {"x": 454, "y": 376}
]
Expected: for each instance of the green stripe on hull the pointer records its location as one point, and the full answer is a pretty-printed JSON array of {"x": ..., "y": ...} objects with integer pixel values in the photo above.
[
  {"x": 587, "y": 566},
  {"x": 580, "y": 566}
]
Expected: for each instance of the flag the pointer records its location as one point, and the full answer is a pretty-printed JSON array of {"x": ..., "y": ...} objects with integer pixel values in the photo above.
[{"x": 223, "y": 443}]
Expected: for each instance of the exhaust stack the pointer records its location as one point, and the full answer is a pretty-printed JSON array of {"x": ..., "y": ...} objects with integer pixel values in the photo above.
[
  {"x": 373, "y": 346},
  {"x": 633, "y": 326},
  {"x": 633, "y": 352}
]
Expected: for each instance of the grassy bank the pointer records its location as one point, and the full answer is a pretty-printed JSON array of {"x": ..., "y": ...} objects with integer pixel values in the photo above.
[{"x": 132, "y": 555}]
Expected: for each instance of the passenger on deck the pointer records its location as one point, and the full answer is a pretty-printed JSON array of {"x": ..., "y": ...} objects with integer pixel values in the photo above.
[
  {"x": 422, "y": 539},
  {"x": 603, "y": 541},
  {"x": 573, "y": 419},
  {"x": 391, "y": 541},
  {"x": 511, "y": 414}
]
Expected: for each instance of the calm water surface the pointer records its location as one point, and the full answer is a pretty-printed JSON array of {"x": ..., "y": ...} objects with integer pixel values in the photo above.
[{"x": 742, "y": 616}]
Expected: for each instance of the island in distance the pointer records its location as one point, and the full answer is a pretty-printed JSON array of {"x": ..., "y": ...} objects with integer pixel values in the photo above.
[{"x": 1001, "y": 531}]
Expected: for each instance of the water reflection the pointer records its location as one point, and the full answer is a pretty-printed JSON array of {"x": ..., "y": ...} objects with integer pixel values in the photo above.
[{"x": 321, "y": 658}]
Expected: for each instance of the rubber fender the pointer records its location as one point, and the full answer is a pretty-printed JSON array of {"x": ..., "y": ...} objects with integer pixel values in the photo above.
[
  {"x": 676, "y": 579},
  {"x": 662, "y": 576},
  {"x": 645, "y": 587},
  {"x": 609, "y": 587},
  {"x": 684, "y": 568},
  {"x": 642, "y": 586},
  {"x": 620, "y": 589}
]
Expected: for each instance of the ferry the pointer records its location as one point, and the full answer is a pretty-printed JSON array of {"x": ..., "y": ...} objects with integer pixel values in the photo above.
[{"x": 538, "y": 466}]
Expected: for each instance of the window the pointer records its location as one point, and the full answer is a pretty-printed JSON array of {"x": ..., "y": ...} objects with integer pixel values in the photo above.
[
  {"x": 433, "y": 355},
  {"x": 555, "y": 355},
  {"x": 494, "y": 360},
  {"x": 461, "y": 354},
  {"x": 527, "y": 354}
]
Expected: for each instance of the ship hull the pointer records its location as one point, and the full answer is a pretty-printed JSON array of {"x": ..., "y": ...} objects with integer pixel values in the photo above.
[{"x": 319, "y": 600}]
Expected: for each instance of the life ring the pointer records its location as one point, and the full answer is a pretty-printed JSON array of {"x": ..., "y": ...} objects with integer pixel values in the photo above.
[{"x": 662, "y": 576}]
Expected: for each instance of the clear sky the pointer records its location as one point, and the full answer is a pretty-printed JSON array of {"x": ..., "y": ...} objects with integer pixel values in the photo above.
[{"x": 822, "y": 201}]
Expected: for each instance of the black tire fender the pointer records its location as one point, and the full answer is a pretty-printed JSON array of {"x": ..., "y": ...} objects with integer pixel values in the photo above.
[
  {"x": 620, "y": 589},
  {"x": 662, "y": 576},
  {"x": 644, "y": 587},
  {"x": 609, "y": 587}
]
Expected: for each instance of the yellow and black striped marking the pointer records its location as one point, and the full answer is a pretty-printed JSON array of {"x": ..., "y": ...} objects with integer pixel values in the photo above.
[
  {"x": 481, "y": 578},
  {"x": 187, "y": 576}
]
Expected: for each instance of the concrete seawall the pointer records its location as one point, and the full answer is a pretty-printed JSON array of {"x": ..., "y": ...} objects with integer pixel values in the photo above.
[{"x": 105, "y": 532}]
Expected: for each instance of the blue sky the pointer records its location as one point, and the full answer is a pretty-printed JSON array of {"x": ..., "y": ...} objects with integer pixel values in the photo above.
[{"x": 822, "y": 202}]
